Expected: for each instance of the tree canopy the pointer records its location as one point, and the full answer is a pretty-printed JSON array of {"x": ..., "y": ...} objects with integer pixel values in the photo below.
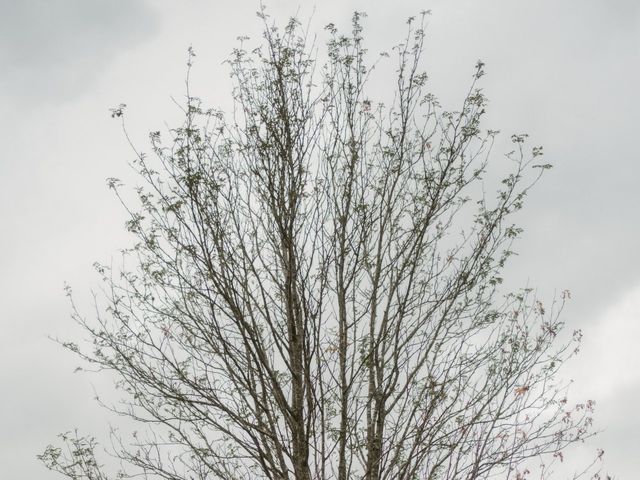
[{"x": 315, "y": 291}]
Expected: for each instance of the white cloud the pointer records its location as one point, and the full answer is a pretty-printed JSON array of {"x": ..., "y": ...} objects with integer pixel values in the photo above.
[
  {"x": 610, "y": 355},
  {"x": 606, "y": 370}
]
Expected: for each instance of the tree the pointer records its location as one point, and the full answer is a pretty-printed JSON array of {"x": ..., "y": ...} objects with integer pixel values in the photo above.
[{"x": 317, "y": 287}]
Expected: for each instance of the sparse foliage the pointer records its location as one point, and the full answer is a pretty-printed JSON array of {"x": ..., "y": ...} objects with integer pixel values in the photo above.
[{"x": 316, "y": 289}]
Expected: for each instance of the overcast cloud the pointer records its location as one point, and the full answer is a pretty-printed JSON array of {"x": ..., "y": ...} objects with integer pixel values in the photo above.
[
  {"x": 565, "y": 72},
  {"x": 54, "y": 50}
]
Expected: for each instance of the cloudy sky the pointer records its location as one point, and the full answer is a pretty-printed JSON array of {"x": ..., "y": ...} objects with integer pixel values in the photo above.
[{"x": 567, "y": 72}]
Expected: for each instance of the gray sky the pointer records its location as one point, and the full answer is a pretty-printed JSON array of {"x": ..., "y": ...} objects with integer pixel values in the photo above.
[{"x": 565, "y": 72}]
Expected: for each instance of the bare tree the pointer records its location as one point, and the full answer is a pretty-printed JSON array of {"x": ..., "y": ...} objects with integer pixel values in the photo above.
[{"x": 316, "y": 291}]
